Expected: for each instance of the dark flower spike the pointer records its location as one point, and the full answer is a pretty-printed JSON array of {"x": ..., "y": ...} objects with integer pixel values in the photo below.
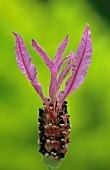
[{"x": 54, "y": 124}]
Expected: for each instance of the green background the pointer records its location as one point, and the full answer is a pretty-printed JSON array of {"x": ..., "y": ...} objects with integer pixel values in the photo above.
[{"x": 49, "y": 22}]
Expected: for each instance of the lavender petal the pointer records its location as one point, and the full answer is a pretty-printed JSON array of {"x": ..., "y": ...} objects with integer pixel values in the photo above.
[
  {"x": 26, "y": 66},
  {"x": 42, "y": 54},
  {"x": 53, "y": 83},
  {"x": 66, "y": 70},
  {"x": 80, "y": 67},
  {"x": 61, "y": 50}
]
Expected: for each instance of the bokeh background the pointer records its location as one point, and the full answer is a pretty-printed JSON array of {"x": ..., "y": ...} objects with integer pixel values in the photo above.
[{"x": 48, "y": 22}]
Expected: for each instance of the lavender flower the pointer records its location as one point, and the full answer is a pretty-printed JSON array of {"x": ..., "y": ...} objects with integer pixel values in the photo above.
[{"x": 54, "y": 124}]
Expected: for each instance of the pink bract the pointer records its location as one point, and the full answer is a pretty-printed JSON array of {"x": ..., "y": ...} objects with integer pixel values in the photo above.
[{"x": 79, "y": 65}]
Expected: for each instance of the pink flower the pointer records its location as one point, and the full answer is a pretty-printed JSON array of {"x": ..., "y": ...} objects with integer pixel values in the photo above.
[{"x": 54, "y": 125}]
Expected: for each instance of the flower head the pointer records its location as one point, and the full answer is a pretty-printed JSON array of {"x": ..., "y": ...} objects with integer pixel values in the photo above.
[{"x": 54, "y": 125}]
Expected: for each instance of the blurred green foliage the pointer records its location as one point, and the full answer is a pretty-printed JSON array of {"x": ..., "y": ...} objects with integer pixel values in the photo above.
[
  {"x": 103, "y": 7},
  {"x": 48, "y": 22}
]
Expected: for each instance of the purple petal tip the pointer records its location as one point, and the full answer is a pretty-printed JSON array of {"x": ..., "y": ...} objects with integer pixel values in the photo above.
[
  {"x": 15, "y": 34},
  {"x": 33, "y": 41},
  {"x": 87, "y": 29}
]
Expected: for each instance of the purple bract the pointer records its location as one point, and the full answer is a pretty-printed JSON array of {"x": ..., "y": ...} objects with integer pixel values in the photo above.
[{"x": 79, "y": 65}]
